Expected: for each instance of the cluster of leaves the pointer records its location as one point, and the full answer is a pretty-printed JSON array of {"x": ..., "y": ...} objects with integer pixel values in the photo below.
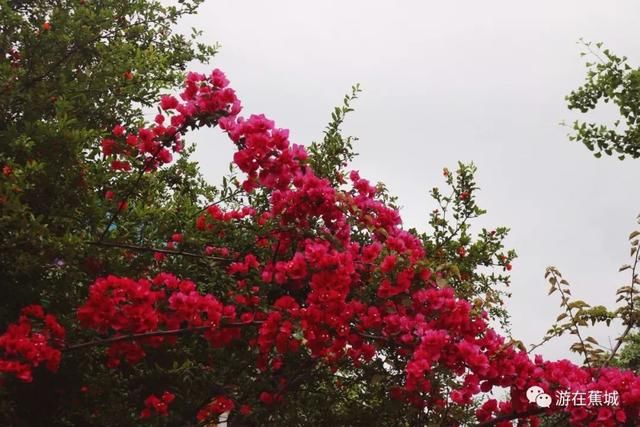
[
  {"x": 610, "y": 78},
  {"x": 476, "y": 268},
  {"x": 330, "y": 157},
  {"x": 68, "y": 71}
]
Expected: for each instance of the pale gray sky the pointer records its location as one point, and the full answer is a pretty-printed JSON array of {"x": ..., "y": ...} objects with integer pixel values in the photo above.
[{"x": 448, "y": 81}]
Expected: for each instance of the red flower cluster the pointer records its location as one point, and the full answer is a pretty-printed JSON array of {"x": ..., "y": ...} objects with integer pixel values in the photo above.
[
  {"x": 157, "y": 405},
  {"x": 219, "y": 405},
  {"x": 264, "y": 152},
  {"x": 123, "y": 306},
  {"x": 215, "y": 215},
  {"x": 35, "y": 339},
  {"x": 517, "y": 371},
  {"x": 204, "y": 101}
]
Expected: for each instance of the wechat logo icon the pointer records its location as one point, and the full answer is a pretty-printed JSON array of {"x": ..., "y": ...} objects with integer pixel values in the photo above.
[{"x": 537, "y": 395}]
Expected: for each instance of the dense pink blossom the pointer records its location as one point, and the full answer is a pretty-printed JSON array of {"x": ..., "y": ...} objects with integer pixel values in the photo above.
[{"x": 336, "y": 299}]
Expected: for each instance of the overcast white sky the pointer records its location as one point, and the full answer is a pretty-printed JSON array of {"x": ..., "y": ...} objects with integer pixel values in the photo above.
[{"x": 447, "y": 81}]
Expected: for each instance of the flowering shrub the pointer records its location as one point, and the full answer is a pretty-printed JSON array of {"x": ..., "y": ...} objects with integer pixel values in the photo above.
[{"x": 315, "y": 274}]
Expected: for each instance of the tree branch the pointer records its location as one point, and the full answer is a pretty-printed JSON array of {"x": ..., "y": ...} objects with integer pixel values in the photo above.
[
  {"x": 162, "y": 251},
  {"x": 217, "y": 202},
  {"x": 632, "y": 322},
  {"x": 573, "y": 319},
  {"x": 107, "y": 341}
]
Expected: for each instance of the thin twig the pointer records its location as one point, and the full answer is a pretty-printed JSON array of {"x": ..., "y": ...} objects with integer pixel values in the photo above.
[
  {"x": 569, "y": 310},
  {"x": 162, "y": 251},
  {"x": 591, "y": 51},
  {"x": 632, "y": 322},
  {"x": 224, "y": 199}
]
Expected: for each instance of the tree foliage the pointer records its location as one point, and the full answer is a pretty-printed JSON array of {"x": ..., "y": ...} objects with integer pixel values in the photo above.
[
  {"x": 610, "y": 78},
  {"x": 70, "y": 70}
]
